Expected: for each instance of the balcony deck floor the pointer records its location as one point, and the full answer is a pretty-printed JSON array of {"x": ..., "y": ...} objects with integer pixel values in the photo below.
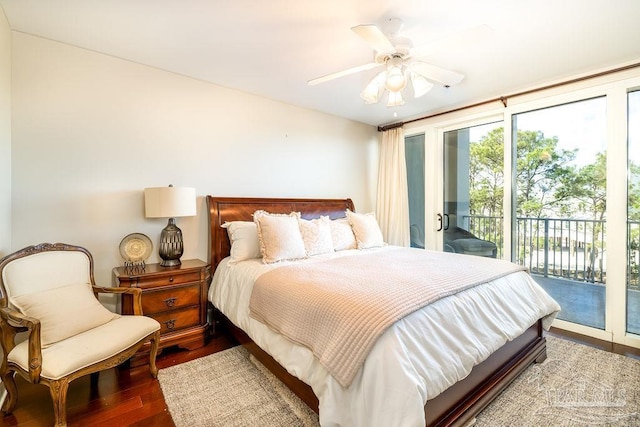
[{"x": 584, "y": 303}]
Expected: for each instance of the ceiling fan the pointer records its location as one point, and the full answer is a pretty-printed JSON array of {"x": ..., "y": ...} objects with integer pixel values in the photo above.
[{"x": 401, "y": 62}]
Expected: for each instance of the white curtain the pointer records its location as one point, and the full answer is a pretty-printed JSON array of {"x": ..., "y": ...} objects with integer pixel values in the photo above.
[{"x": 392, "y": 210}]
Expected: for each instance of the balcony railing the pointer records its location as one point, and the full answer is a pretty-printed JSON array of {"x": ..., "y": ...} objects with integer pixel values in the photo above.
[{"x": 557, "y": 247}]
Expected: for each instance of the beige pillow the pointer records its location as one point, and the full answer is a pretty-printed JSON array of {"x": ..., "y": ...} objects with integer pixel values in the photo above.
[
  {"x": 243, "y": 236},
  {"x": 342, "y": 235},
  {"x": 279, "y": 236},
  {"x": 316, "y": 235},
  {"x": 63, "y": 312},
  {"x": 366, "y": 229}
]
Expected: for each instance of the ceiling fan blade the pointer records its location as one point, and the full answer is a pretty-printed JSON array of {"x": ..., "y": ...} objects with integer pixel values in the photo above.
[
  {"x": 453, "y": 42},
  {"x": 374, "y": 36},
  {"x": 436, "y": 74},
  {"x": 342, "y": 73}
]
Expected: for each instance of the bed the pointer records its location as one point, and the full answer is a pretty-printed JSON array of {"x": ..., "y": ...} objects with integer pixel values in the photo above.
[{"x": 457, "y": 404}]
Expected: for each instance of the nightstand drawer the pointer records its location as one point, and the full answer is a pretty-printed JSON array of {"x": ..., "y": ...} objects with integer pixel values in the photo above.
[
  {"x": 175, "y": 296},
  {"x": 178, "y": 319},
  {"x": 152, "y": 281},
  {"x": 167, "y": 299}
]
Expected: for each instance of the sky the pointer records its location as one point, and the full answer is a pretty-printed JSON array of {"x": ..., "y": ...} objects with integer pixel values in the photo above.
[{"x": 578, "y": 125}]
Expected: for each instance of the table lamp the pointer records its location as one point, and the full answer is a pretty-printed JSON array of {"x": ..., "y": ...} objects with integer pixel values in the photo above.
[{"x": 170, "y": 202}]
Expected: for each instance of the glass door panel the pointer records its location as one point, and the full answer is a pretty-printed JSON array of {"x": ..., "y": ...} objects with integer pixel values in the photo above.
[
  {"x": 471, "y": 222},
  {"x": 560, "y": 205},
  {"x": 633, "y": 212},
  {"x": 415, "y": 157}
]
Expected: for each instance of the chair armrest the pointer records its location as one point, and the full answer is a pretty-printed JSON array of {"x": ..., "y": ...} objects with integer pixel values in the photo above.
[
  {"x": 12, "y": 321},
  {"x": 135, "y": 293}
]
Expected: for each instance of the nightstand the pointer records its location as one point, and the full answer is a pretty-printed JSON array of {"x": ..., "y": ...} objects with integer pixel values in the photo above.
[{"x": 175, "y": 296}]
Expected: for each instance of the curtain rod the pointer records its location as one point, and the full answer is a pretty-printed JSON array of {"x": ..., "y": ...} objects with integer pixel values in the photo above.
[{"x": 504, "y": 99}]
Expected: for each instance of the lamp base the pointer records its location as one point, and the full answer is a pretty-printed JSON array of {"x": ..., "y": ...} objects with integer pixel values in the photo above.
[
  {"x": 171, "y": 245},
  {"x": 170, "y": 262}
]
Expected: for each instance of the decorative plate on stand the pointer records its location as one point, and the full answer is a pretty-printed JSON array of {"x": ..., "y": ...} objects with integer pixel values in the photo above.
[{"x": 135, "y": 249}]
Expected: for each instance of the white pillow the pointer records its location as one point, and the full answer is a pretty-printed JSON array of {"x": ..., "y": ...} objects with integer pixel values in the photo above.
[
  {"x": 279, "y": 236},
  {"x": 342, "y": 235},
  {"x": 316, "y": 234},
  {"x": 63, "y": 312},
  {"x": 243, "y": 236},
  {"x": 366, "y": 229}
]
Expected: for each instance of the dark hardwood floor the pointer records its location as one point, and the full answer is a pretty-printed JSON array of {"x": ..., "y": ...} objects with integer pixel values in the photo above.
[
  {"x": 123, "y": 397},
  {"x": 130, "y": 397}
]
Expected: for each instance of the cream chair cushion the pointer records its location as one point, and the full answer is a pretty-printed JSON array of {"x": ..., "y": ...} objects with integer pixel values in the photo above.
[
  {"x": 87, "y": 348},
  {"x": 63, "y": 312},
  {"x": 46, "y": 270}
]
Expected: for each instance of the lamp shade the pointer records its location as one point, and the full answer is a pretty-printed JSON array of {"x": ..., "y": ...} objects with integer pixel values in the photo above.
[{"x": 169, "y": 202}]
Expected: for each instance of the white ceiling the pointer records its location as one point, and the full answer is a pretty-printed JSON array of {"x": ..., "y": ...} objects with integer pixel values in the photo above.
[{"x": 273, "y": 47}]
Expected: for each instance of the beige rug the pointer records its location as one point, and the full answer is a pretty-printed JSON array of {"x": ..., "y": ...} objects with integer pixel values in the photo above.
[
  {"x": 230, "y": 388},
  {"x": 576, "y": 386}
]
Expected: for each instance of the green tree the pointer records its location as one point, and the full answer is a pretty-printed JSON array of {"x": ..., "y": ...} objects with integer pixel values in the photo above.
[
  {"x": 540, "y": 165},
  {"x": 584, "y": 190},
  {"x": 633, "y": 192},
  {"x": 486, "y": 174}
]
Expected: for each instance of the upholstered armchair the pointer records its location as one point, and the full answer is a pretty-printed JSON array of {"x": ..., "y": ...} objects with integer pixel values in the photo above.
[{"x": 48, "y": 291}]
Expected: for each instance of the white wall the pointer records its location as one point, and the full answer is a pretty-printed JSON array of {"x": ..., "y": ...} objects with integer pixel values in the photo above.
[
  {"x": 5, "y": 136},
  {"x": 90, "y": 132}
]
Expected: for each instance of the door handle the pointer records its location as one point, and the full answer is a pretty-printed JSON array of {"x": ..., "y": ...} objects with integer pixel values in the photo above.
[
  {"x": 446, "y": 227},
  {"x": 440, "y": 221}
]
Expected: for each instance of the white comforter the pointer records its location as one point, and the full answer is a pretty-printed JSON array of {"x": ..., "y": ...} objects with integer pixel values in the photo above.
[{"x": 413, "y": 361}]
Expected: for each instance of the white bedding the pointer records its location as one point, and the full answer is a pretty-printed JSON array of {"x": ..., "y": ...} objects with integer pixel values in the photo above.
[{"x": 413, "y": 361}]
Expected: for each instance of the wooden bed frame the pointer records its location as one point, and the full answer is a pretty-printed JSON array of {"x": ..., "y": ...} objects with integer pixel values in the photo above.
[{"x": 457, "y": 405}]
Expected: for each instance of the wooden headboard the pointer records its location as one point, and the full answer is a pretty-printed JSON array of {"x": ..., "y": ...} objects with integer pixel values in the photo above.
[{"x": 222, "y": 209}]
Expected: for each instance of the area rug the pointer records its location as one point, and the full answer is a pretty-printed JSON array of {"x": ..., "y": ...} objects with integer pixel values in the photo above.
[
  {"x": 576, "y": 386},
  {"x": 230, "y": 388}
]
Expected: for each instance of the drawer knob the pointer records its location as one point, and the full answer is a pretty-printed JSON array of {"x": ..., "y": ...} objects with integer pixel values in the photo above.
[
  {"x": 171, "y": 279},
  {"x": 170, "y": 324},
  {"x": 170, "y": 302}
]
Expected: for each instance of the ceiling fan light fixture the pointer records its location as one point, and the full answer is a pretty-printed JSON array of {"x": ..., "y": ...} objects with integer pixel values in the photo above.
[
  {"x": 401, "y": 61},
  {"x": 396, "y": 80},
  {"x": 395, "y": 99},
  {"x": 371, "y": 93},
  {"x": 420, "y": 85}
]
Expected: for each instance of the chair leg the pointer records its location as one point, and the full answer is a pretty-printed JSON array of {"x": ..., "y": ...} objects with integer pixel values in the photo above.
[
  {"x": 93, "y": 379},
  {"x": 155, "y": 341},
  {"x": 94, "y": 390},
  {"x": 8, "y": 379},
  {"x": 58, "y": 390}
]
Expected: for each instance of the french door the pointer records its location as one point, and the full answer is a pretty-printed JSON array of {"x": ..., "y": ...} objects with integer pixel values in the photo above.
[
  {"x": 473, "y": 182},
  {"x": 540, "y": 184}
]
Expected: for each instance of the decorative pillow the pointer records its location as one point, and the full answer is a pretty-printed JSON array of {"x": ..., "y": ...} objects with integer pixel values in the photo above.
[
  {"x": 316, "y": 234},
  {"x": 63, "y": 312},
  {"x": 366, "y": 229},
  {"x": 342, "y": 235},
  {"x": 279, "y": 236},
  {"x": 243, "y": 236}
]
